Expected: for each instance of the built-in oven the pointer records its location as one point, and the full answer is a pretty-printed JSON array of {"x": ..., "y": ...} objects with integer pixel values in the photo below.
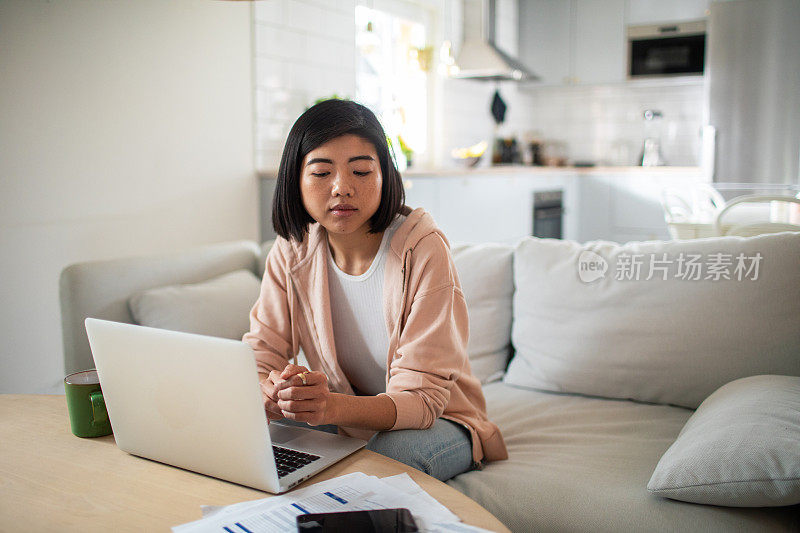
[
  {"x": 548, "y": 214},
  {"x": 666, "y": 49}
]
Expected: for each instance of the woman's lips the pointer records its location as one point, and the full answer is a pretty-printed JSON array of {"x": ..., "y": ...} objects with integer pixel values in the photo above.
[{"x": 343, "y": 210}]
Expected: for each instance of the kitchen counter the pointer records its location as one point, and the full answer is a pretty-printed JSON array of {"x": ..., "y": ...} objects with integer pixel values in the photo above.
[{"x": 526, "y": 169}]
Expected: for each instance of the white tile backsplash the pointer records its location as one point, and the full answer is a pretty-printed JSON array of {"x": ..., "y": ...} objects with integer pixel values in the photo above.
[
  {"x": 271, "y": 12},
  {"x": 279, "y": 106},
  {"x": 337, "y": 25},
  {"x": 280, "y": 43},
  {"x": 595, "y": 120},
  {"x": 301, "y": 15},
  {"x": 323, "y": 51},
  {"x": 345, "y": 6},
  {"x": 602, "y": 124},
  {"x": 305, "y": 50},
  {"x": 302, "y": 77},
  {"x": 270, "y": 73}
]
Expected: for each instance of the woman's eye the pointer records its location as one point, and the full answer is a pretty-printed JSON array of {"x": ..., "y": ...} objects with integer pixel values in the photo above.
[
  {"x": 320, "y": 174},
  {"x": 357, "y": 173}
]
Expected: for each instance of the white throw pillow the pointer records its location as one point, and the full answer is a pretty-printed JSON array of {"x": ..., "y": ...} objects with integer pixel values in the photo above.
[
  {"x": 219, "y": 307},
  {"x": 486, "y": 279},
  {"x": 579, "y": 329},
  {"x": 741, "y": 448}
]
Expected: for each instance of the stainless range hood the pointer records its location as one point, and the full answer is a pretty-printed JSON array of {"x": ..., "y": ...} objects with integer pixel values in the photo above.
[{"x": 480, "y": 58}]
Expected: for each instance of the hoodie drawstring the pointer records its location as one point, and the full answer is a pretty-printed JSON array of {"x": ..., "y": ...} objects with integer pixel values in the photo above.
[{"x": 292, "y": 319}]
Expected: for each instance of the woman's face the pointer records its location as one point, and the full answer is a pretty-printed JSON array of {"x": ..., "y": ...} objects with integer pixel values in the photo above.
[{"x": 340, "y": 184}]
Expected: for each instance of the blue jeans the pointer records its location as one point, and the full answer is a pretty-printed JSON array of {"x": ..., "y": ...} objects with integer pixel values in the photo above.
[{"x": 442, "y": 451}]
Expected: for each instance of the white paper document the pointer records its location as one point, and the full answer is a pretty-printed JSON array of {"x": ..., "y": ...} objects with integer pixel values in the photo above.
[{"x": 351, "y": 492}]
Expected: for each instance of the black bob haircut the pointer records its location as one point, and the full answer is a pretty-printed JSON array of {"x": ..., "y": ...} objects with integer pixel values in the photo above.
[{"x": 321, "y": 123}]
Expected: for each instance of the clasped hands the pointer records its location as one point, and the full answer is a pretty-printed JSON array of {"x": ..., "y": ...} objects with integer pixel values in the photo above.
[{"x": 286, "y": 396}]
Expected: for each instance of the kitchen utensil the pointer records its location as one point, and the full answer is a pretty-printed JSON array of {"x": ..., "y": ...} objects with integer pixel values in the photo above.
[
  {"x": 651, "y": 150},
  {"x": 498, "y": 108}
]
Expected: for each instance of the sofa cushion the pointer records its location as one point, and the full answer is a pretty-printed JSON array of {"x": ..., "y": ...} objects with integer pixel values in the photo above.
[
  {"x": 486, "y": 279},
  {"x": 582, "y": 464},
  {"x": 582, "y": 326},
  {"x": 740, "y": 448},
  {"x": 101, "y": 289},
  {"x": 219, "y": 307}
]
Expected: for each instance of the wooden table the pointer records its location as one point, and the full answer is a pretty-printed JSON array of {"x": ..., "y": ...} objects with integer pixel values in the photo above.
[{"x": 51, "y": 480}]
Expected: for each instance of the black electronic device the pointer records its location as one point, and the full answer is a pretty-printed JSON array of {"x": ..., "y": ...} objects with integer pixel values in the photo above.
[{"x": 375, "y": 521}]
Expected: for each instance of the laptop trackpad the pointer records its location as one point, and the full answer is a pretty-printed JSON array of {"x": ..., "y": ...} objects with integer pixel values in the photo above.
[{"x": 281, "y": 434}]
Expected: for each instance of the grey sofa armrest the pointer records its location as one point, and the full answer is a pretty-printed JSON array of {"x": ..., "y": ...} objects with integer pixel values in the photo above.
[{"x": 100, "y": 289}]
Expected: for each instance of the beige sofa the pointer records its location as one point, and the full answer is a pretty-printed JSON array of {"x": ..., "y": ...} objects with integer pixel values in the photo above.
[{"x": 604, "y": 375}]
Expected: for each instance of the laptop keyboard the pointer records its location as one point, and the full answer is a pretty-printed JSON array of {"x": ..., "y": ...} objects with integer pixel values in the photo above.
[{"x": 288, "y": 460}]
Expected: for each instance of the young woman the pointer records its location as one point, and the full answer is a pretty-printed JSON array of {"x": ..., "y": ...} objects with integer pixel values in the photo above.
[{"x": 368, "y": 289}]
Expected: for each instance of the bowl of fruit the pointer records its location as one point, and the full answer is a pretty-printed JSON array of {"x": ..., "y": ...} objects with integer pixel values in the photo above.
[{"x": 470, "y": 156}]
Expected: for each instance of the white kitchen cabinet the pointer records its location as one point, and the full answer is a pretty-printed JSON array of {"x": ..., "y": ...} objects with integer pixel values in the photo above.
[
  {"x": 490, "y": 207},
  {"x": 622, "y": 208},
  {"x": 545, "y": 39},
  {"x": 497, "y": 205},
  {"x": 474, "y": 208},
  {"x": 599, "y": 41},
  {"x": 479, "y": 209},
  {"x": 422, "y": 193},
  {"x": 569, "y": 42},
  {"x": 660, "y": 11},
  {"x": 594, "y": 215}
]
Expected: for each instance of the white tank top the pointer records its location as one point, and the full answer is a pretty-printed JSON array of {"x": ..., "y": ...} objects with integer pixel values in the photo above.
[{"x": 359, "y": 327}]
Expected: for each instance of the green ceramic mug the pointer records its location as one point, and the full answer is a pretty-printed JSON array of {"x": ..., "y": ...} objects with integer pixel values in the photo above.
[{"x": 87, "y": 408}]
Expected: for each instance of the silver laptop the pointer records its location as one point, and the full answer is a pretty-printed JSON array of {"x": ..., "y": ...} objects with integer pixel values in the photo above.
[{"x": 195, "y": 402}]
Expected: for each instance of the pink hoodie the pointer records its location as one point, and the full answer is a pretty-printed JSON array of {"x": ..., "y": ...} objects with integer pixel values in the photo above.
[{"x": 429, "y": 375}]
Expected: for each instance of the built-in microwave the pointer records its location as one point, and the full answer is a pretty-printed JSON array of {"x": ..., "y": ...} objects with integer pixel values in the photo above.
[{"x": 666, "y": 49}]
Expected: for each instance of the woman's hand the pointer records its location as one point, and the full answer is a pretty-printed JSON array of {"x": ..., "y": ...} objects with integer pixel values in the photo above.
[
  {"x": 269, "y": 394},
  {"x": 269, "y": 388},
  {"x": 286, "y": 396},
  {"x": 307, "y": 402}
]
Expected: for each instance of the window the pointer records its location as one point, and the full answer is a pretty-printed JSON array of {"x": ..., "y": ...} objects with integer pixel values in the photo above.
[{"x": 392, "y": 63}]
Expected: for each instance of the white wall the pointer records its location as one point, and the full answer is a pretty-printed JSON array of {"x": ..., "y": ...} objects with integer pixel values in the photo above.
[{"x": 126, "y": 129}]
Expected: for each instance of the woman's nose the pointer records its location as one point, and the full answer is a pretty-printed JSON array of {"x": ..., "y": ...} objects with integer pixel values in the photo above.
[{"x": 342, "y": 185}]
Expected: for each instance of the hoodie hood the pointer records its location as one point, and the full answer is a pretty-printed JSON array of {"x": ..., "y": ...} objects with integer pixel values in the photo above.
[{"x": 418, "y": 225}]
